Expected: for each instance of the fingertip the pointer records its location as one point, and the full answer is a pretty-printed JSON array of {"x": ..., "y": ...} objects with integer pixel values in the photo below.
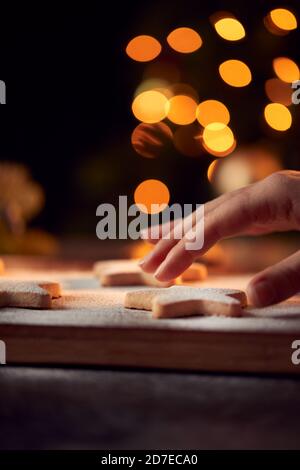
[{"x": 261, "y": 293}]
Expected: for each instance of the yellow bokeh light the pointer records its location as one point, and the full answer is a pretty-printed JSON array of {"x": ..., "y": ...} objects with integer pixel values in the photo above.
[
  {"x": 182, "y": 110},
  {"x": 212, "y": 111},
  {"x": 217, "y": 137},
  {"x": 230, "y": 29},
  {"x": 235, "y": 73},
  {"x": 149, "y": 193},
  {"x": 278, "y": 116},
  {"x": 150, "y": 106},
  {"x": 283, "y": 19},
  {"x": 143, "y": 48},
  {"x": 184, "y": 40},
  {"x": 278, "y": 91},
  {"x": 286, "y": 69}
]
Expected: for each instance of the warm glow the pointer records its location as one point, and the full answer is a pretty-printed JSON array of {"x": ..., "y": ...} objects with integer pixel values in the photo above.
[
  {"x": 249, "y": 164},
  {"x": 212, "y": 111},
  {"x": 187, "y": 140},
  {"x": 182, "y": 110},
  {"x": 153, "y": 84},
  {"x": 218, "y": 137},
  {"x": 151, "y": 192},
  {"x": 212, "y": 170},
  {"x": 183, "y": 89},
  {"x": 235, "y": 73},
  {"x": 283, "y": 19},
  {"x": 149, "y": 140},
  {"x": 140, "y": 249},
  {"x": 150, "y": 106},
  {"x": 286, "y": 69},
  {"x": 278, "y": 91},
  {"x": 230, "y": 29},
  {"x": 143, "y": 48},
  {"x": 278, "y": 116},
  {"x": 184, "y": 40}
]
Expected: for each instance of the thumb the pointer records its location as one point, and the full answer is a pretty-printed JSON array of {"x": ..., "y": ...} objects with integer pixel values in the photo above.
[{"x": 276, "y": 283}]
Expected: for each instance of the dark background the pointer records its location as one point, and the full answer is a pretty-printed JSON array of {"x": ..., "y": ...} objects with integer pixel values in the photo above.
[{"x": 70, "y": 87}]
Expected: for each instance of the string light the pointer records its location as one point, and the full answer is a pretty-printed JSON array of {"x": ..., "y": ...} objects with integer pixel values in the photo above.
[{"x": 151, "y": 193}]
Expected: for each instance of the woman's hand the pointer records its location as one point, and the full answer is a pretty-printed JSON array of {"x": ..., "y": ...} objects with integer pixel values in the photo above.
[{"x": 271, "y": 205}]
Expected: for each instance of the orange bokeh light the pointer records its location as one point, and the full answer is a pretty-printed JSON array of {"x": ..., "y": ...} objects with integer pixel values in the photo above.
[
  {"x": 230, "y": 29},
  {"x": 151, "y": 196},
  {"x": 235, "y": 73},
  {"x": 143, "y": 48},
  {"x": 184, "y": 40},
  {"x": 278, "y": 116},
  {"x": 212, "y": 170},
  {"x": 150, "y": 106},
  {"x": 284, "y": 19},
  {"x": 182, "y": 110},
  {"x": 212, "y": 111},
  {"x": 286, "y": 69}
]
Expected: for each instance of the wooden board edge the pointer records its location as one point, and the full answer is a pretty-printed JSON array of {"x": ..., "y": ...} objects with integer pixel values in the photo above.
[{"x": 160, "y": 349}]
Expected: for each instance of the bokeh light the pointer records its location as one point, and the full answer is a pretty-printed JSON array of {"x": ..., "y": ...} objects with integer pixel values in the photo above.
[
  {"x": 218, "y": 137},
  {"x": 284, "y": 19},
  {"x": 149, "y": 140},
  {"x": 212, "y": 111},
  {"x": 211, "y": 171},
  {"x": 278, "y": 116},
  {"x": 235, "y": 73},
  {"x": 143, "y": 48},
  {"x": 182, "y": 110},
  {"x": 187, "y": 140},
  {"x": 151, "y": 192},
  {"x": 184, "y": 40},
  {"x": 150, "y": 106},
  {"x": 243, "y": 167},
  {"x": 286, "y": 69},
  {"x": 278, "y": 91},
  {"x": 230, "y": 29}
]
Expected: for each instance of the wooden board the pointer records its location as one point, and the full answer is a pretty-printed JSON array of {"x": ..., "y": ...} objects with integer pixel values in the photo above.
[{"x": 89, "y": 326}]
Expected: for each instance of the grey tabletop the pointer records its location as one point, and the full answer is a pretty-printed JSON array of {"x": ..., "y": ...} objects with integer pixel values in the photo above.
[{"x": 51, "y": 408}]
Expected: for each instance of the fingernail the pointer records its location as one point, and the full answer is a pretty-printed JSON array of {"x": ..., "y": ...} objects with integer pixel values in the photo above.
[{"x": 262, "y": 293}]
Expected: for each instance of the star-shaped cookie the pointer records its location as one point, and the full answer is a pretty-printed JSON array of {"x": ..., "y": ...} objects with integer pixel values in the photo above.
[
  {"x": 183, "y": 301},
  {"x": 28, "y": 294}
]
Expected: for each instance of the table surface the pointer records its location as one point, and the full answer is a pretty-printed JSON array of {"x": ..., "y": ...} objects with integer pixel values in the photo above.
[
  {"x": 93, "y": 408},
  {"x": 51, "y": 408}
]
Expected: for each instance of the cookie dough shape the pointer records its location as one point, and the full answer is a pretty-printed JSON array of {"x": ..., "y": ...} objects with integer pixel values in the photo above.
[
  {"x": 28, "y": 294},
  {"x": 128, "y": 273},
  {"x": 184, "y": 301}
]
